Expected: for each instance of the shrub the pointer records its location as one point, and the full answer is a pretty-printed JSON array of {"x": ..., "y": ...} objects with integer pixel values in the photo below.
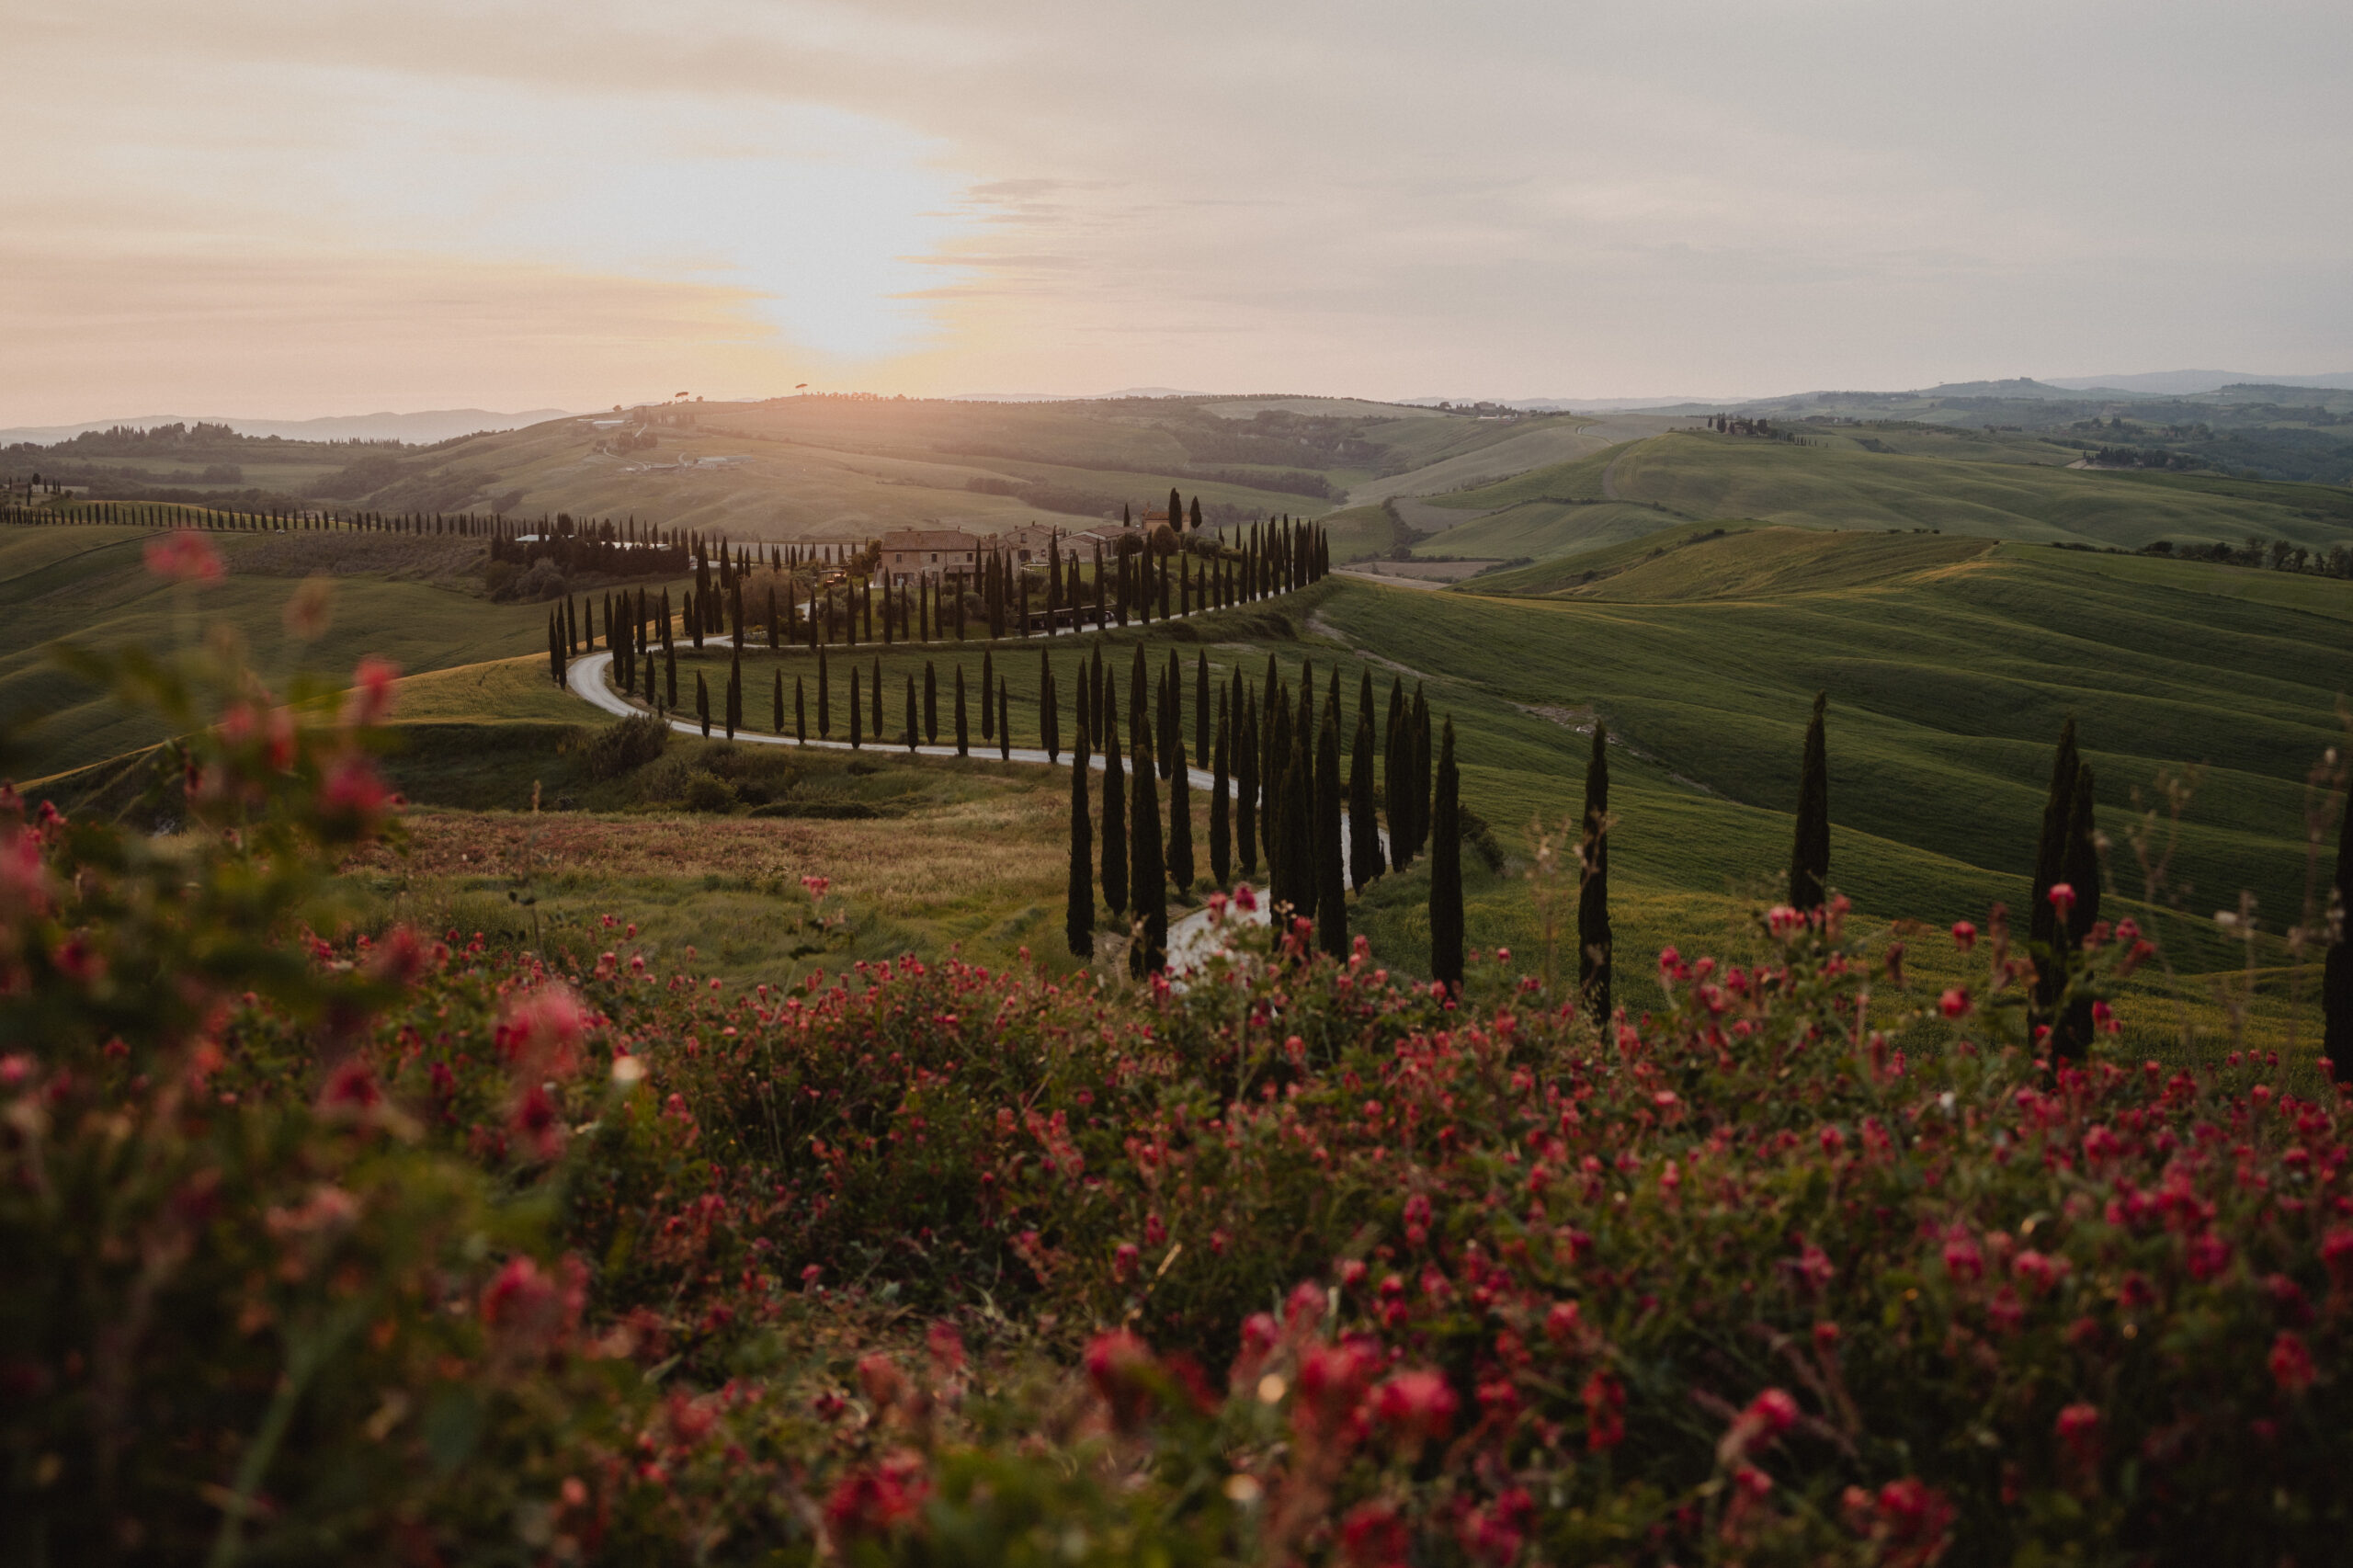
[
  {"x": 706, "y": 792},
  {"x": 626, "y": 744}
]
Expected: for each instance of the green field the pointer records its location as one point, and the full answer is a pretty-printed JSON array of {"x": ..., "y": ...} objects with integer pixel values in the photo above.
[{"x": 1695, "y": 476}]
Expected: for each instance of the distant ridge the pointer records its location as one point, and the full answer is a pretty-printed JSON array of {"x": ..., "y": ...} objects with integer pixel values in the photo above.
[
  {"x": 422, "y": 428},
  {"x": 2184, "y": 383}
]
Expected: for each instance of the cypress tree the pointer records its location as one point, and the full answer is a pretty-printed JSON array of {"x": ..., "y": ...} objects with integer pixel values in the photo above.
[
  {"x": 1243, "y": 743},
  {"x": 2072, "y": 1039},
  {"x": 2337, "y": 969},
  {"x": 877, "y": 700},
  {"x": 1331, "y": 883},
  {"x": 1220, "y": 808},
  {"x": 799, "y": 709},
  {"x": 1295, "y": 848},
  {"x": 1593, "y": 974},
  {"x": 1148, "y": 954},
  {"x": 964, "y": 732},
  {"x": 1446, "y": 870},
  {"x": 1173, "y": 709},
  {"x": 702, "y": 704},
  {"x": 857, "y": 710},
  {"x": 1004, "y": 720},
  {"x": 1180, "y": 823},
  {"x": 988, "y": 685},
  {"x": 1140, "y": 722},
  {"x": 1078, "y": 920},
  {"x": 1050, "y": 709},
  {"x": 555, "y": 652},
  {"x": 734, "y": 694},
  {"x": 1364, "y": 828},
  {"x": 1115, "y": 813},
  {"x": 930, "y": 704},
  {"x": 824, "y": 697},
  {"x": 911, "y": 713},
  {"x": 2050, "y": 867},
  {"x": 1810, "y": 856},
  {"x": 1201, "y": 703}
]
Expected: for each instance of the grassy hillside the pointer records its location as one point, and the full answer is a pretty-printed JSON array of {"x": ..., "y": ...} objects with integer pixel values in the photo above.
[
  {"x": 90, "y": 584},
  {"x": 1690, "y": 476}
]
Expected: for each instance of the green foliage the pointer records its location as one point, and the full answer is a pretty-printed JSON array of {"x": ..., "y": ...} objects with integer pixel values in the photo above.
[{"x": 626, "y": 744}]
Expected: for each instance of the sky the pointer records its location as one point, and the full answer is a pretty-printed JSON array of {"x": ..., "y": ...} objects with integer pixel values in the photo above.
[{"x": 293, "y": 208}]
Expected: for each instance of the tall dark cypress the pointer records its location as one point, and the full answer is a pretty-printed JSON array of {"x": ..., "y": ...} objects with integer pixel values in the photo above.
[
  {"x": 800, "y": 710},
  {"x": 963, "y": 731},
  {"x": 1810, "y": 854},
  {"x": 1397, "y": 750},
  {"x": 1147, "y": 872},
  {"x": 1140, "y": 718},
  {"x": 1082, "y": 713},
  {"x": 1364, "y": 829},
  {"x": 856, "y": 710},
  {"x": 1220, "y": 807},
  {"x": 1243, "y": 741},
  {"x": 2073, "y": 1028},
  {"x": 824, "y": 699},
  {"x": 988, "y": 689},
  {"x": 702, "y": 704},
  {"x": 1050, "y": 709},
  {"x": 911, "y": 713},
  {"x": 2050, "y": 867},
  {"x": 1446, "y": 870},
  {"x": 734, "y": 694},
  {"x": 1172, "y": 708},
  {"x": 930, "y": 704},
  {"x": 776, "y": 725},
  {"x": 2337, "y": 969},
  {"x": 1115, "y": 810},
  {"x": 1181, "y": 870},
  {"x": 1078, "y": 920},
  {"x": 1201, "y": 702},
  {"x": 1331, "y": 883},
  {"x": 1419, "y": 770},
  {"x": 1294, "y": 850},
  {"x": 878, "y": 702},
  {"x": 555, "y": 652},
  {"x": 1594, "y": 974}
]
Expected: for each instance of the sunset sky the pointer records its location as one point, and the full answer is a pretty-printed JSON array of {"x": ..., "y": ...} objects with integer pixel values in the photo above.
[{"x": 288, "y": 208}]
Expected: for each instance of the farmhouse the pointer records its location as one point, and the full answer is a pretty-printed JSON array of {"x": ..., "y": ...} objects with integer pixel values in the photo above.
[{"x": 910, "y": 555}]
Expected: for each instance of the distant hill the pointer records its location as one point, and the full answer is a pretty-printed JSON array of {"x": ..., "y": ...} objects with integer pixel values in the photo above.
[
  {"x": 418, "y": 429},
  {"x": 2188, "y": 383}
]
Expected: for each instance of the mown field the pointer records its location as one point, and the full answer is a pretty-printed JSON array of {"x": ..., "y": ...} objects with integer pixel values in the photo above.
[{"x": 1690, "y": 476}]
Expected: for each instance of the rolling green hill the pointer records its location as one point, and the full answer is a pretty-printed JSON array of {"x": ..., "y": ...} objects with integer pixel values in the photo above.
[
  {"x": 90, "y": 583},
  {"x": 1692, "y": 476}
]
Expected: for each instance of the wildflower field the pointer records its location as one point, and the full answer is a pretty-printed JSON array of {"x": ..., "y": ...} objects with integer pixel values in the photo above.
[{"x": 334, "y": 1236}]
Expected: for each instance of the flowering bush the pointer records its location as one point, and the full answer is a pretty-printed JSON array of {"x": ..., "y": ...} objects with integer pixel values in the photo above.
[{"x": 379, "y": 1243}]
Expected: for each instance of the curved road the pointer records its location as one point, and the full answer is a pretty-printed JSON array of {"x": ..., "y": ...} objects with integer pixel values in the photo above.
[{"x": 1191, "y": 940}]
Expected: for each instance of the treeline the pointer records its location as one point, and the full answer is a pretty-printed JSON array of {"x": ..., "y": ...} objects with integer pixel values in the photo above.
[
  {"x": 2276, "y": 555},
  {"x": 731, "y": 599}
]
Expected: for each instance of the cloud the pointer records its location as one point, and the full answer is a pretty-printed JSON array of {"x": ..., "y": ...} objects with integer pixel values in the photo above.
[{"x": 1373, "y": 197}]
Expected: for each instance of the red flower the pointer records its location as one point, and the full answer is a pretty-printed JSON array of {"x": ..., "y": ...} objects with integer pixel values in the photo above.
[
  {"x": 1417, "y": 1406},
  {"x": 541, "y": 1032},
  {"x": 1955, "y": 1003},
  {"x": 872, "y": 1502},
  {"x": 2291, "y": 1363},
  {"x": 1604, "y": 1412},
  {"x": 2078, "y": 1429},
  {"x": 1964, "y": 935},
  {"x": 351, "y": 1086},
  {"x": 1121, "y": 1367},
  {"x": 1769, "y": 1416},
  {"x": 1332, "y": 1383},
  {"x": 185, "y": 556},
  {"x": 535, "y": 1118},
  {"x": 2062, "y": 898},
  {"x": 373, "y": 691},
  {"x": 354, "y": 797},
  {"x": 1372, "y": 1536}
]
